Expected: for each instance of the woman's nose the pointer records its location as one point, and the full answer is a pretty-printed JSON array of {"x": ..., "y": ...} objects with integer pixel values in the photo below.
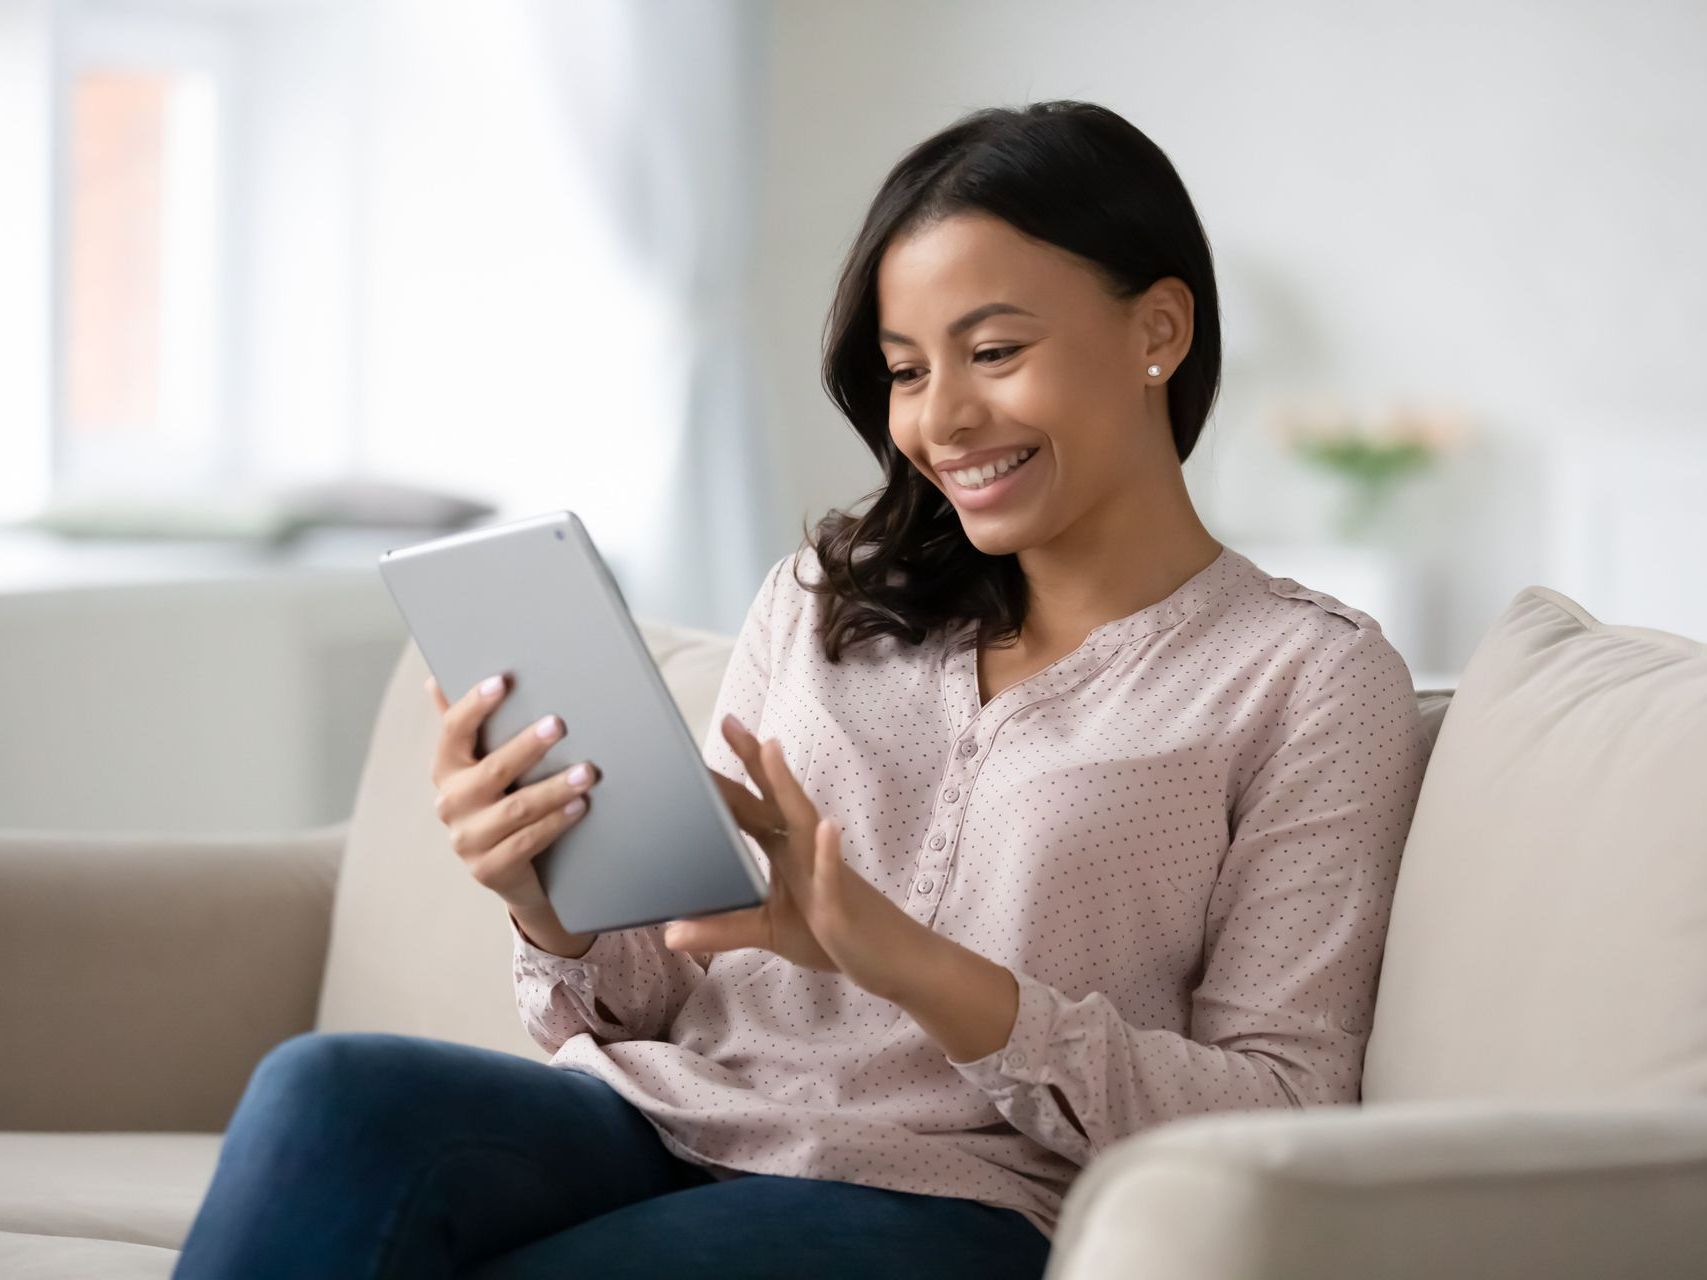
[{"x": 951, "y": 404}]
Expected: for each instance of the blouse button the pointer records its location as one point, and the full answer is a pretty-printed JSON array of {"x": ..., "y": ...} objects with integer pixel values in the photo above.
[
  {"x": 1016, "y": 1059},
  {"x": 951, "y": 795},
  {"x": 926, "y": 885},
  {"x": 937, "y": 841},
  {"x": 968, "y": 748}
]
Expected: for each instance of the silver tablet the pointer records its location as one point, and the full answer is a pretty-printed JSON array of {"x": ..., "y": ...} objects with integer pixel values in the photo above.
[{"x": 534, "y": 600}]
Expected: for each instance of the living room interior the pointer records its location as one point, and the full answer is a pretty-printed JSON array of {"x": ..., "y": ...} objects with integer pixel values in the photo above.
[{"x": 294, "y": 283}]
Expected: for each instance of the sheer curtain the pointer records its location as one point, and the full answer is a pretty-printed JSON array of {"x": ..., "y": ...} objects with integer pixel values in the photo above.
[
  {"x": 560, "y": 209},
  {"x": 664, "y": 101}
]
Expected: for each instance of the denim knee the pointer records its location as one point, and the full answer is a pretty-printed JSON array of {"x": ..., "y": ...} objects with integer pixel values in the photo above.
[{"x": 324, "y": 1068}]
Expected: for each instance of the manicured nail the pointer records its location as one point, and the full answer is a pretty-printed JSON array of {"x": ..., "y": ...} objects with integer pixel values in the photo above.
[
  {"x": 546, "y": 728},
  {"x": 581, "y": 774},
  {"x": 575, "y": 806},
  {"x": 491, "y": 685}
]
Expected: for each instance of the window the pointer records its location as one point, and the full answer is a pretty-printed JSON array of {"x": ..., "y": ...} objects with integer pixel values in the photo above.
[{"x": 142, "y": 104}]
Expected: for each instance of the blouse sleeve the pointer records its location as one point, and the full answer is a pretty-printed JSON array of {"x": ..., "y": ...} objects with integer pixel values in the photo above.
[
  {"x": 629, "y": 985},
  {"x": 1292, "y": 937}
]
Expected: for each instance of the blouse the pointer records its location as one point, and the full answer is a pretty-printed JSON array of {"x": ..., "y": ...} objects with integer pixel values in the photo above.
[{"x": 1182, "y": 839}]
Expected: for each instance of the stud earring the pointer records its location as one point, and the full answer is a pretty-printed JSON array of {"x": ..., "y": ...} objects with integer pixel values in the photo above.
[{"x": 1155, "y": 371}]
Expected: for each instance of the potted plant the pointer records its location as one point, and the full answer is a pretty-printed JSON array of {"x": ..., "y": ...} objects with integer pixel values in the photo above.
[{"x": 1372, "y": 454}]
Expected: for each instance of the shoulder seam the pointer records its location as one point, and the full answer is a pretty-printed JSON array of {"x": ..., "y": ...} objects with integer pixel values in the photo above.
[{"x": 1292, "y": 589}]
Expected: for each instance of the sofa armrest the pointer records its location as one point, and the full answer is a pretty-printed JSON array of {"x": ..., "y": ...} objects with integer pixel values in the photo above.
[
  {"x": 144, "y": 976},
  {"x": 1400, "y": 1190}
]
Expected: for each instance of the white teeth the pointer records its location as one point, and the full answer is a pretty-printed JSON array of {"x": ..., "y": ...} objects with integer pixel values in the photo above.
[{"x": 978, "y": 477}]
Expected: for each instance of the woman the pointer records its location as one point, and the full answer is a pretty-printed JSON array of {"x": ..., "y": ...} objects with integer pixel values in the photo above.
[{"x": 1076, "y": 820}]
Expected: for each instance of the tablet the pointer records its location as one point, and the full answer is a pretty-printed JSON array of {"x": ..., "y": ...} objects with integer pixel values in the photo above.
[{"x": 534, "y": 600}]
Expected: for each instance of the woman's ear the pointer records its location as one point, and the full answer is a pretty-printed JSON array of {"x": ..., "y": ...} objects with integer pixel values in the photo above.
[{"x": 1162, "y": 319}]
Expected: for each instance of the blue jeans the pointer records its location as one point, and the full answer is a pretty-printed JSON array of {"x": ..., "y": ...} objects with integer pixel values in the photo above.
[{"x": 366, "y": 1154}]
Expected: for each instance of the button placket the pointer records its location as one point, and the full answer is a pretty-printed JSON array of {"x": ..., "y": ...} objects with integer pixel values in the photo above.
[
  {"x": 929, "y": 880},
  {"x": 933, "y": 873},
  {"x": 927, "y": 877}
]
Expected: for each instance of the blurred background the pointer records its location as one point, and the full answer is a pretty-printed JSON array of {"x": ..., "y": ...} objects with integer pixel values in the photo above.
[{"x": 287, "y": 283}]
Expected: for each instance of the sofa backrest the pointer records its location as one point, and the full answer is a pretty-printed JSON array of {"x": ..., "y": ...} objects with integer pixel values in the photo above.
[
  {"x": 1549, "y": 927},
  {"x": 417, "y": 946}
]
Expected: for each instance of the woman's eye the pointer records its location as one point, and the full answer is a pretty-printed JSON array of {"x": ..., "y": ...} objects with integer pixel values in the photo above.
[{"x": 902, "y": 377}]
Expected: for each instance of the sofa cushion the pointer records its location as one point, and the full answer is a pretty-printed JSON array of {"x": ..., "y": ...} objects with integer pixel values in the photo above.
[
  {"x": 1549, "y": 925},
  {"x": 133, "y": 1188},
  {"x": 417, "y": 947},
  {"x": 31, "y": 1257}
]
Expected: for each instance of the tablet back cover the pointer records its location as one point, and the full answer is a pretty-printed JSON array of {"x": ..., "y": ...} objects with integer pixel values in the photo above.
[{"x": 533, "y": 599}]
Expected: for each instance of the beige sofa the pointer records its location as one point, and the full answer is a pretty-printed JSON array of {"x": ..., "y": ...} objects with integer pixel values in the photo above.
[{"x": 1534, "y": 1095}]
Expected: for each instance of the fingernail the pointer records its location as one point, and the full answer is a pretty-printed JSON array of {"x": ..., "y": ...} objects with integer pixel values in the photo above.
[
  {"x": 491, "y": 685},
  {"x": 581, "y": 774},
  {"x": 575, "y": 806},
  {"x": 546, "y": 728}
]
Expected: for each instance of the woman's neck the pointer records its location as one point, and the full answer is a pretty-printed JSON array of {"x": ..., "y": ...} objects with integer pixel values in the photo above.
[{"x": 1066, "y": 605}]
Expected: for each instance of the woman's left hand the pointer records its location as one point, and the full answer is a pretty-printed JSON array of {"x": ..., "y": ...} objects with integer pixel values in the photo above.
[{"x": 820, "y": 913}]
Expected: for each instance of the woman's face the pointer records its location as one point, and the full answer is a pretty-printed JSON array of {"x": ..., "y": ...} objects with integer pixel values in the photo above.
[{"x": 999, "y": 343}]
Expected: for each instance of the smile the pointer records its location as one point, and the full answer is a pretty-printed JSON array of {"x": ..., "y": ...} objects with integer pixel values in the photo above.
[
  {"x": 978, "y": 477},
  {"x": 985, "y": 487}
]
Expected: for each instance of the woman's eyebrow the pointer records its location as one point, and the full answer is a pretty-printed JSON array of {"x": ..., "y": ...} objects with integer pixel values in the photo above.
[{"x": 961, "y": 325}]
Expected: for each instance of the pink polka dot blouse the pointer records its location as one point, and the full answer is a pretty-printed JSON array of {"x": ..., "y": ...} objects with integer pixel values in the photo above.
[{"x": 1182, "y": 838}]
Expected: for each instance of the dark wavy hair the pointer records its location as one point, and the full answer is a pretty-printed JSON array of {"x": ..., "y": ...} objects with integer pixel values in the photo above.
[{"x": 1072, "y": 174}]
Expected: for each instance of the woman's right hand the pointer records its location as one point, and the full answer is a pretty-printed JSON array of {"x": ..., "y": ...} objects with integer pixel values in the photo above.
[{"x": 498, "y": 836}]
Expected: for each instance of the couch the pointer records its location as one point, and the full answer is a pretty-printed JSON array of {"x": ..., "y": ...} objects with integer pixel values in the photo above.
[{"x": 1535, "y": 1094}]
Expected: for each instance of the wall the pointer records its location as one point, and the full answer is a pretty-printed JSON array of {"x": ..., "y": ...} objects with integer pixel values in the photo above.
[{"x": 1490, "y": 205}]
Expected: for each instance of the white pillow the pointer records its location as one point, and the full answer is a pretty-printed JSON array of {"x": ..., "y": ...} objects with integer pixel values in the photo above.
[{"x": 1549, "y": 926}]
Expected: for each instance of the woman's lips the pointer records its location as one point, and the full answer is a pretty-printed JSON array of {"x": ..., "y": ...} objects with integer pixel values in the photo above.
[{"x": 997, "y": 491}]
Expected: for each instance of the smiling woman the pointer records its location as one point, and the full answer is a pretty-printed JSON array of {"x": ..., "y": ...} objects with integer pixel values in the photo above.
[
  {"x": 1026, "y": 900},
  {"x": 1030, "y": 286}
]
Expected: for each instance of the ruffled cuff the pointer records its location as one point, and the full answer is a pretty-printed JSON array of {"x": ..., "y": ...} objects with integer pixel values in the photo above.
[
  {"x": 1022, "y": 1058},
  {"x": 580, "y": 975}
]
